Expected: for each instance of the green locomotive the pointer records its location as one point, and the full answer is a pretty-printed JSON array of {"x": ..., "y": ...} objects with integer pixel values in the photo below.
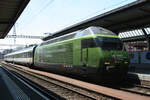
[{"x": 94, "y": 52}]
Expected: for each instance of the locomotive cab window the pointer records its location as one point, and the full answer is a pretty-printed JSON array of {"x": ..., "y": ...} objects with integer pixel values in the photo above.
[
  {"x": 107, "y": 43},
  {"x": 88, "y": 43}
]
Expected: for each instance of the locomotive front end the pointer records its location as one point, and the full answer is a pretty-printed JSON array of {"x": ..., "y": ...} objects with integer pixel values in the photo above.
[
  {"x": 113, "y": 65},
  {"x": 113, "y": 59}
]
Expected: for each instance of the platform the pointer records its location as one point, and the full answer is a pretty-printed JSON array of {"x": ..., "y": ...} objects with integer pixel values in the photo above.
[
  {"x": 14, "y": 88},
  {"x": 9, "y": 90},
  {"x": 4, "y": 92},
  {"x": 140, "y": 68},
  {"x": 141, "y": 71},
  {"x": 140, "y": 76}
]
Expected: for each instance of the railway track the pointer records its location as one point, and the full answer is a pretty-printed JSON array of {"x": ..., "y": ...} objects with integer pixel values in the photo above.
[
  {"x": 137, "y": 89},
  {"x": 142, "y": 89},
  {"x": 80, "y": 89},
  {"x": 136, "y": 86},
  {"x": 64, "y": 90},
  {"x": 26, "y": 91}
]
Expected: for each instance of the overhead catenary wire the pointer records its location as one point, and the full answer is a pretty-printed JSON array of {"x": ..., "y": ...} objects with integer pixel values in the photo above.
[
  {"x": 38, "y": 12},
  {"x": 101, "y": 10}
]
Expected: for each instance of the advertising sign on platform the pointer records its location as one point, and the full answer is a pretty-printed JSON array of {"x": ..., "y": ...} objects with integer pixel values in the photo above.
[
  {"x": 134, "y": 57},
  {"x": 145, "y": 57}
]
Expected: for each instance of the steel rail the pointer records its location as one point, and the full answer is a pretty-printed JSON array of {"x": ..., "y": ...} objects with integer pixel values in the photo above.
[{"x": 133, "y": 89}]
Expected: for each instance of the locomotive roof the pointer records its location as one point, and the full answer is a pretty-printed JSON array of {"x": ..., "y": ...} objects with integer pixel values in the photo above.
[
  {"x": 73, "y": 33},
  {"x": 99, "y": 30},
  {"x": 88, "y": 31}
]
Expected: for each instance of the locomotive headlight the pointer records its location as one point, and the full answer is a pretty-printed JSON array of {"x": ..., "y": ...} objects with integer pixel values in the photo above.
[
  {"x": 109, "y": 67},
  {"x": 107, "y": 63},
  {"x": 126, "y": 62}
]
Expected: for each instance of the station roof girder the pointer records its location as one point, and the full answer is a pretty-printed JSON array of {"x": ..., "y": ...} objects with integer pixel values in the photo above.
[
  {"x": 10, "y": 10},
  {"x": 131, "y": 16},
  {"x": 140, "y": 34}
]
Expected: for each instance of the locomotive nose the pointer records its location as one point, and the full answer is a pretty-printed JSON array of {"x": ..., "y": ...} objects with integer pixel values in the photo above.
[{"x": 114, "y": 59}]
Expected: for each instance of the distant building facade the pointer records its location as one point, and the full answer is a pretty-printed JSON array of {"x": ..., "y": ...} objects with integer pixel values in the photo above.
[{"x": 136, "y": 46}]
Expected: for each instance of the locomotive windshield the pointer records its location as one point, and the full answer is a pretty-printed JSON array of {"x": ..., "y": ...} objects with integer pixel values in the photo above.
[{"x": 107, "y": 43}]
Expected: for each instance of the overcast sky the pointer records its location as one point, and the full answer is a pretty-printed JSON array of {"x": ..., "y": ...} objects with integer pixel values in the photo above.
[{"x": 42, "y": 16}]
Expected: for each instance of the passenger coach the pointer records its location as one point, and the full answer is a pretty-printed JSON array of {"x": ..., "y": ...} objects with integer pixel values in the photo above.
[{"x": 23, "y": 56}]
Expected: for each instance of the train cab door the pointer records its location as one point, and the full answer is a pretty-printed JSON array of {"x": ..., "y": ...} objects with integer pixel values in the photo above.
[{"x": 84, "y": 52}]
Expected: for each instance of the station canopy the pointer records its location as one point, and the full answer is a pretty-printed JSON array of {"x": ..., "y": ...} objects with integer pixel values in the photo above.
[
  {"x": 135, "y": 35},
  {"x": 126, "y": 18},
  {"x": 10, "y": 10}
]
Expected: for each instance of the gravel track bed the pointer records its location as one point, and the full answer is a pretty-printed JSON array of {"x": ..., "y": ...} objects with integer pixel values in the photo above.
[{"x": 60, "y": 88}]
